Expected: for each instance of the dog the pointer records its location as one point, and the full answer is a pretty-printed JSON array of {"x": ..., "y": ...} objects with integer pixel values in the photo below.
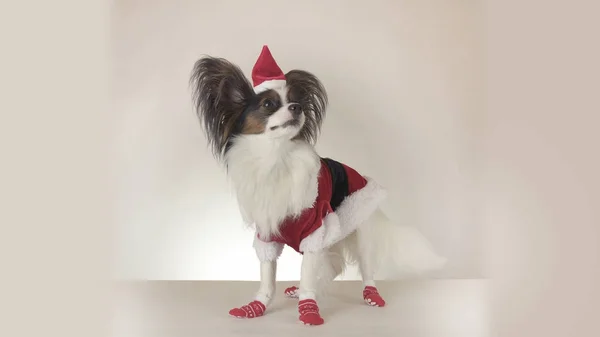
[{"x": 264, "y": 133}]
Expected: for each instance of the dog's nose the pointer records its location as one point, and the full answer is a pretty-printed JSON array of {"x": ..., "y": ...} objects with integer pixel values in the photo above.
[{"x": 295, "y": 109}]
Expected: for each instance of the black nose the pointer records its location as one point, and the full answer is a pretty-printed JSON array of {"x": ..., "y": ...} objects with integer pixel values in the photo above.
[{"x": 295, "y": 109}]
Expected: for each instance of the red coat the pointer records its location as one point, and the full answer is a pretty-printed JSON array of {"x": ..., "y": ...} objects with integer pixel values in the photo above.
[{"x": 336, "y": 182}]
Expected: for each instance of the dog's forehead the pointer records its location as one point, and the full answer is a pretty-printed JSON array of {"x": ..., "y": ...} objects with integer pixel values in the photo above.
[
  {"x": 282, "y": 92},
  {"x": 278, "y": 95}
]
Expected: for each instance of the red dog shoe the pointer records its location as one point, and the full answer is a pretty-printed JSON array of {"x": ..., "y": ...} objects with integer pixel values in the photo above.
[
  {"x": 250, "y": 310},
  {"x": 291, "y": 292},
  {"x": 309, "y": 312},
  {"x": 372, "y": 297}
]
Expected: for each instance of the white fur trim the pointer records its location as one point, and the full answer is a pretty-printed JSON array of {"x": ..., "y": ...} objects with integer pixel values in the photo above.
[
  {"x": 352, "y": 213},
  {"x": 266, "y": 85},
  {"x": 325, "y": 236},
  {"x": 267, "y": 251}
]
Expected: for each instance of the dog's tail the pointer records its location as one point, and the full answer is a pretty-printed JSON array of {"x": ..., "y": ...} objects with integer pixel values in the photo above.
[
  {"x": 396, "y": 250},
  {"x": 390, "y": 250}
]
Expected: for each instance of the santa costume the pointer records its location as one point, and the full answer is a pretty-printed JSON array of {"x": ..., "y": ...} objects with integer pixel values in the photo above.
[{"x": 345, "y": 199}]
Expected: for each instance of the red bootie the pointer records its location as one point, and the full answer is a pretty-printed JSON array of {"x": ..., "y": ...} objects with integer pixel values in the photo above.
[
  {"x": 309, "y": 312},
  {"x": 372, "y": 297},
  {"x": 250, "y": 310},
  {"x": 291, "y": 292}
]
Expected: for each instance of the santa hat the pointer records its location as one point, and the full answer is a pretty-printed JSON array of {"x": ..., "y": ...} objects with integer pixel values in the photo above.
[{"x": 266, "y": 74}]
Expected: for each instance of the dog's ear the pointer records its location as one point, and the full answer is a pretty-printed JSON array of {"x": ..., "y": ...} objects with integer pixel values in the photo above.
[
  {"x": 220, "y": 94},
  {"x": 306, "y": 89}
]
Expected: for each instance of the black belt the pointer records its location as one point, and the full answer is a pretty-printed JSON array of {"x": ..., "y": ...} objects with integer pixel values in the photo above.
[{"x": 339, "y": 182}]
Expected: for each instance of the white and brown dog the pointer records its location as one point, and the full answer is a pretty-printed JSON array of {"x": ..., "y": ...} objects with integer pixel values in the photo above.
[{"x": 264, "y": 134}]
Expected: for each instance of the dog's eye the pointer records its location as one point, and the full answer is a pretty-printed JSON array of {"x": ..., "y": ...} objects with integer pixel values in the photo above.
[{"x": 268, "y": 103}]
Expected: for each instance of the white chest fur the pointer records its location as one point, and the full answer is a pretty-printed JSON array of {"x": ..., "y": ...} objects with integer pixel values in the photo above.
[{"x": 272, "y": 180}]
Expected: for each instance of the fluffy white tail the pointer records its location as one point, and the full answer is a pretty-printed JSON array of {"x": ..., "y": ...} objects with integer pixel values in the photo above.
[
  {"x": 389, "y": 249},
  {"x": 396, "y": 249}
]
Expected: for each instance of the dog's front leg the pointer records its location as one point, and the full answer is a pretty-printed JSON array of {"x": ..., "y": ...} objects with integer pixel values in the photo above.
[
  {"x": 309, "y": 277},
  {"x": 267, "y": 253},
  {"x": 268, "y": 270}
]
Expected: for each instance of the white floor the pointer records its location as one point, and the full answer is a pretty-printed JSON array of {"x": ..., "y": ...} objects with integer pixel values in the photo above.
[{"x": 443, "y": 308}]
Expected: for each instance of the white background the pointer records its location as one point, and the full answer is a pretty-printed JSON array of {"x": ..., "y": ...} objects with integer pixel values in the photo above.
[{"x": 405, "y": 87}]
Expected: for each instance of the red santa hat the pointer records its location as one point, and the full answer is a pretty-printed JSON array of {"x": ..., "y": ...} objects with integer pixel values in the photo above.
[{"x": 266, "y": 74}]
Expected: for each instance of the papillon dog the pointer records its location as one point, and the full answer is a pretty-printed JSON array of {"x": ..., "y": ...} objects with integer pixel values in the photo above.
[{"x": 264, "y": 133}]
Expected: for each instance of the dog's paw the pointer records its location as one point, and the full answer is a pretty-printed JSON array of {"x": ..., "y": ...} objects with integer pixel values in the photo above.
[
  {"x": 309, "y": 312},
  {"x": 251, "y": 310},
  {"x": 292, "y": 292},
  {"x": 372, "y": 297}
]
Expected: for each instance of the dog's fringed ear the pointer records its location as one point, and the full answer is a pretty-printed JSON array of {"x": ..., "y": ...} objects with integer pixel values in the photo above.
[
  {"x": 220, "y": 94},
  {"x": 306, "y": 89}
]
